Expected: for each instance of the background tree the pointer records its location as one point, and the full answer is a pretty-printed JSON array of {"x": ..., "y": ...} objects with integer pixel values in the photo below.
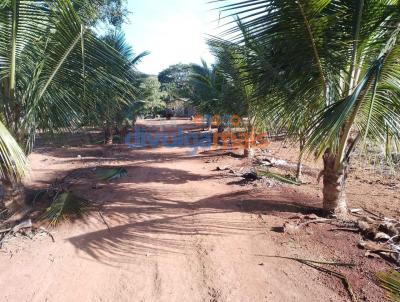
[
  {"x": 111, "y": 13},
  {"x": 150, "y": 97},
  {"x": 175, "y": 81}
]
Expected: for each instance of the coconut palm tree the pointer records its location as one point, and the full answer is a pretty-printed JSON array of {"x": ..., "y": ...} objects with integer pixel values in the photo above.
[
  {"x": 232, "y": 61},
  {"x": 206, "y": 84},
  {"x": 48, "y": 58},
  {"x": 335, "y": 54},
  {"x": 115, "y": 98}
]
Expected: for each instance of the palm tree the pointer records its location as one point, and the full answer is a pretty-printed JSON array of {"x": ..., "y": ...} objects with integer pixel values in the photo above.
[
  {"x": 341, "y": 56},
  {"x": 48, "y": 56},
  {"x": 114, "y": 98},
  {"x": 207, "y": 84},
  {"x": 232, "y": 61}
]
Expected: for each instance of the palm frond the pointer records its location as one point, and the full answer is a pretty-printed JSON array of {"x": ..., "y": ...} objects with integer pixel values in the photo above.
[
  {"x": 278, "y": 177},
  {"x": 110, "y": 173},
  {"x": 390, "y": 281},
  {"x": 52, "y": 67},
  {"x": 14, "y": 163},
  {"x": 317, "y": 67},
  {"x": 66, "y": 206}
]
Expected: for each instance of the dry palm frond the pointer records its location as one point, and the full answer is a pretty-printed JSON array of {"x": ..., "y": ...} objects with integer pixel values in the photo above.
[
  {"x": 65, "y": 207},
  {"x": 390, "y": 281},
  {"x": 278, "y": 177},
  {"x": 111, "y": 173},
  {"x": 313, "y": 264}
]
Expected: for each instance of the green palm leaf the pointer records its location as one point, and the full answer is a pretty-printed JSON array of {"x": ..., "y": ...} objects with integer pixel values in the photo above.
[
  {"x": 66, "y": 206},
  {"x": 390, "y": 281},
  {"x": 110, "y": 173},
  {"x": 14, "y": 163},
  {"x": 51, "y": 66}
]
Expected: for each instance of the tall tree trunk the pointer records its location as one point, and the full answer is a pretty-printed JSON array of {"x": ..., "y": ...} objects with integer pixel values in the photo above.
[
  {"x": 108, "y": 134},
  {"x": 334, "y": 194},
  {"x": 123, "y": 133},
  {"x": 299, "y": 171},
  {"x": 209, "y": 124},
  {"x": 248, "y": 149},
  {"x": 388, "y": 145}
]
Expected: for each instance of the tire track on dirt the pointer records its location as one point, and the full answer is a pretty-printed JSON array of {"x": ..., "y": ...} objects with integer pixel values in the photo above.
[
  {"x": 214, "y": 294},
  {"x": 200, "y": 251}
]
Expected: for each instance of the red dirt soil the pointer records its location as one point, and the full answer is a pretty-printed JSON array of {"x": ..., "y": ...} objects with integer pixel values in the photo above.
[{"x": 180, "y": 231}]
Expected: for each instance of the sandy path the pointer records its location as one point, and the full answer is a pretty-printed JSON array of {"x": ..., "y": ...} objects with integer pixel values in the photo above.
[{"x": 179, "y": 232}]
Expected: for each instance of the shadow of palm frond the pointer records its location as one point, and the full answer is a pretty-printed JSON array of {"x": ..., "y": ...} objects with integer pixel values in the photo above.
[{"x": 154, "y": 224}]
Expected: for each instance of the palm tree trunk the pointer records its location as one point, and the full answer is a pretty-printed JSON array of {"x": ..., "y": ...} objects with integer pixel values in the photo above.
[
  {"x": 108, "y": 134},
  {"x": 388, "y": 151},
  {"x": 299, "y": 172},
  {"x": 299, "y": 161},
  {"x": 248, "y": 149},
  {"x": 123, "y": 133},
  {"x": 334, "y": 194}
]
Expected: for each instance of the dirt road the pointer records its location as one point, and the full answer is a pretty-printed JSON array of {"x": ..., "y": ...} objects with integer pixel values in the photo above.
[{"x": 179, "y": 231}]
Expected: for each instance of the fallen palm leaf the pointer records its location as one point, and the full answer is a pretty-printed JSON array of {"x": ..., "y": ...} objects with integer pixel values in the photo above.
[
  {"x": 278, "y": 177},
  {"x": 64, "y": 207},
  {"x": 6, "y": 233},
  {"x": 22, "y": 225},
  {"x": 292, "y": 228},
  {"x": 111, "y": 173},
  {"x": 342, "y": 277},
  {"x": 43, "y": 230},
  {"x": 354, "y": 230},
  {"x": 390, "y": 281},
  {"x": 374, "y": 247},
  {"x": 311, "y": 263}
]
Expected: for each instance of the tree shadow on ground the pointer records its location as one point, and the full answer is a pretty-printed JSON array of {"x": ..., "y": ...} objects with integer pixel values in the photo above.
[
  {"x": 144, "y": 222},
  {"x": 146, "y": 217}
]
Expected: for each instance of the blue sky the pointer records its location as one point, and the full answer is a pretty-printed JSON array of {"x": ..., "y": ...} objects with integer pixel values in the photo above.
[{"x": 173, "y": 31}]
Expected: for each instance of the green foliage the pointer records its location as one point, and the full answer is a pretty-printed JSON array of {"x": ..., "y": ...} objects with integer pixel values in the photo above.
[
  {"x": 56, "y": 73},
  {"x": 150, "y": 97},
  {"x": 114, "y": 97},
  {"x": 323, "y": 68},
  {"x": 14, "y": 164},
  {"x": 108, "y": 12},
  {"x": 110, "y": 173},
  {"x": 175, "y": 81},
  {"x": 66, "y": 206},
  {"x": 207, "y": 85},
  {"x": 232, "y": 65},
  {"x": 224, "y": 88},
  {"x": 390, "y": 281}
]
